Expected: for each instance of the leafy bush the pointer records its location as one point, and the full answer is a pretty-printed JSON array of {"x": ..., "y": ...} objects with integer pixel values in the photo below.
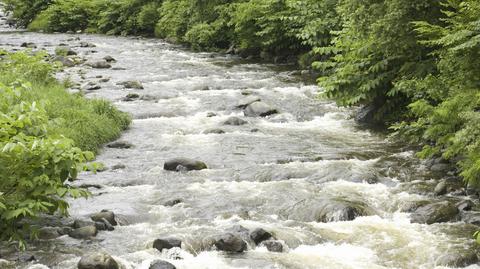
[{"x": 25, "y": 11}]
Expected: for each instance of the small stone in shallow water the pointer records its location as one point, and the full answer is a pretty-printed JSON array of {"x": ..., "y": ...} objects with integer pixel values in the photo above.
[
  {"x": 98, "y": 64},
  {"x": 247, "y": 101},
  {"x": 173, "y": 202},
  {"x": 188, "y": 164},
  {"x": 258, "y": 235},
  {"x": 235, "y": 121},
  {"x": 441, "y": 188},
  {"x": 119, "y": 166},
  {"x": 104, "y": 214},
  {"x": 230, "y": 243},
  {"x": 29, "y": 45},
  {"x": 120, "y": 145},
  {"x": 109, "y": 59},
  {"x": 211, "y": 114},
  {"x": 214, "y": 131},
  {"x": 161, "y": 265},
  {"x": 48, "y": 233},
  {"x": 167, "y": 243},
  {"x": 259, "y": 109},
  {"x": 273, "y": 245},
  {"x": 131, "y": 84},
  {"x": 84, "y": 44},
  {"x": 97, "y": 261},
  {"x": 465, "y": 205}
]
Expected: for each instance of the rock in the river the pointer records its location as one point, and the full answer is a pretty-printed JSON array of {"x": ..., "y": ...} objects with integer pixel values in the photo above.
[
  {"x": 235, "y": 121},
  {"x": 458, "y": 260},
  {"x": 97, "y": 261},
  {"x": 471, "y": 217},
  {"x": 366, "y": 114},
  {"x": 48, "y": 233},
  {"x": 120, "y": 145},
  {"x": 230, "y": 243},
  {"x": 247, "y": 101},
  {"x": 109, "y": 59},
  {"x": 92, "y": 87},
  {"x": 104, "y": 214},
  {"x": 273, "y": 245},
  {"x": 29, "y": 45},
  {"x": 119, "y": 166},
  {"x": 211, "y": 114},
  {"x": 99, "y": 64},
  {"x": 161, "y": 265},
  {"x": 328, "y": 210},
  {"x": 65, "y": 51},
  {"x": 65, "y": 61},
  {"x": 84, "y": 44},
  {"x": 167, "y": 243},
  {"x": 434, "y": 213},
  {"x": 131, "y": 84},
  {"x": 86, "y": 232},
  {"x": 259, "y": 109},
  {"x": 258, "y": 235},
  {"x": 441, "y": 188},
  {"x": 465, "y": 205},
  {"x": 184, "y": 163},
  {"x": 173, "y": 202},
  {"x": 214, "y": 131}
]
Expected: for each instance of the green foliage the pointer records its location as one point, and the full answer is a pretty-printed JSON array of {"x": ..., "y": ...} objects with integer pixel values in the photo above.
[
  {"x": 25, "y": 11},
  {"x": 44, "y": 131}
]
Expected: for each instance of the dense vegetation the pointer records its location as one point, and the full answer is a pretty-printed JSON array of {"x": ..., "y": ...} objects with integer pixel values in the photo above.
[
  {"x": 414, "y": 63},
  {"x": 43, "y": 137}
]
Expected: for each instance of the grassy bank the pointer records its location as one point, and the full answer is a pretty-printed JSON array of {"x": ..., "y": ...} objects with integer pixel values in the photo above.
[{"x": 46, "y": 136}]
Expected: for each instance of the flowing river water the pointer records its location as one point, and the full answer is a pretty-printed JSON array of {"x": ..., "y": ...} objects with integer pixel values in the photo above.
[{"x": 271, "y": 173}]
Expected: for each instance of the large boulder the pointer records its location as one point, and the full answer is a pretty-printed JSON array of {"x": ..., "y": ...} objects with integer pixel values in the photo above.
[
  {"x": 86, "y": 232},
  {"x": 97, "y": 261},
  {"x": 159, "y": 264},
  {"x": 435, "y": 213},
  {"x": 328, "y": 210},
  {"x": 230, "y": 243},
  {"x": 235, "y": 121},
  {"x": 184, "y": 164},
  {"x": 259, "y": 109},
  {"x": 167, "y": 243},
  {"x": 104, "y": 215},
  {"x": 243, "y": 103}
]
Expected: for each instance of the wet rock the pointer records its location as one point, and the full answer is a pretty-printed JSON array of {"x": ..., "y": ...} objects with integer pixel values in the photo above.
[
  {"x": 189, "y": 164},
  {"x": 258, "y": 235},
  {"x": 26, "y": 257},
  {"x": 133, "y": 95},
  {"x": 247, "y": 101},
  {"x": 235, "y": 121},
  {"x": 92, "y": 87},
  {"x": 131, "y": 84},
  {"x": 259, "y": 109},
  {"x": 458, "y": 260},
  {"x": 465, "y": 205},
  {"x": 28, "y": 45},
  {"x": 230, "y": 243},
  {"x": 255, "y": 130},
  {"x": 104, "y": 214},
  {"x": 161, "y": 265},
  {"x": 65, "y": 51},
  {"x": 119, "y": 166},
  {"x": 205, "y": 88},
  {"x": 109, "y": 59},
  {"x": 328, "y": 210},
  {"x": 211, "y": 114},
  {"x": 48, "y": 233},
  {"x": 104, "y": 225},
  {"x": 86, "y": 232},
  {"x": 214, "y": 131},
  {"x": 471, "y": 217},
  {"x": 435, "y": 213},
  {"x": 97, "y": 261},
  {"x": 173, "y": 202},
  {"x": 84, "y": 44},
  {"x": 246, "y": 92},
  {"x": 273, "y": 245},
  {"x": 167, "y": 243},
  {"x": 441, "y": 188},
  {"x": 65, "y": 61},
  {"x": 366, "y": 114},
  {"x": 439, "y": 167},
  {"x": 104, "y": 80},
  {"x": 82, "y": 223},
  {"x": 147, "y": 97},
  {"x": 99, "y": 64},
  {"x": 120, "y": 145}
]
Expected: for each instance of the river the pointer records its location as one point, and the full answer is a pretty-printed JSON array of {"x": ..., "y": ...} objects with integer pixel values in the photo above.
[{"x": 273, "y": 172}]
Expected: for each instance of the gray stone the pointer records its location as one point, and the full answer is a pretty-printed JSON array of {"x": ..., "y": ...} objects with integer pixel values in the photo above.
[
  {"x": 161, "y": 265},
  {"x": 97, "y": 261},
  {"x": 99, "y": 64},
  {"x": 65, "y": 61},
  {"x": 259, "y": 235},
  {"x": 119, "y": 166},
  {"x": 84, "y": 44},
  {"x": 107, "y": 215},
  {"x": 235, "y": 121},
  {"x": 273, "y": 245},
  {"x": 458, "y": 260},
  {"x": 211, "y": 114},
  {"x": 214, "y": 131},
  {"x": 435, "y": 213},
  {"x": 465, "y": 205},
  {"x": 131, "y": 84},
  {"x": 29, "y": 45},
  {"x": 247, "y": 101},
  {"x": 189, "y": 164},
  {"x": 441, "y": 188},
  {"x": 120, "y": 145},
  {"x": 173, "y": 202},
  {"x": 259, "y": 109},
  {"x": 167, "y": 243},
  {"x": 230, "y": 243},
  {"x": 109, "y": 59},
  {"x": 48, "y": 233},
  {"x": 65, "y": 51},
  {"x": 86, "y": 232}
]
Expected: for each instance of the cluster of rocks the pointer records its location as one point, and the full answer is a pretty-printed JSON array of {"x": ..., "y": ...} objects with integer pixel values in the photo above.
[{"x": 105, "y": 261}]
